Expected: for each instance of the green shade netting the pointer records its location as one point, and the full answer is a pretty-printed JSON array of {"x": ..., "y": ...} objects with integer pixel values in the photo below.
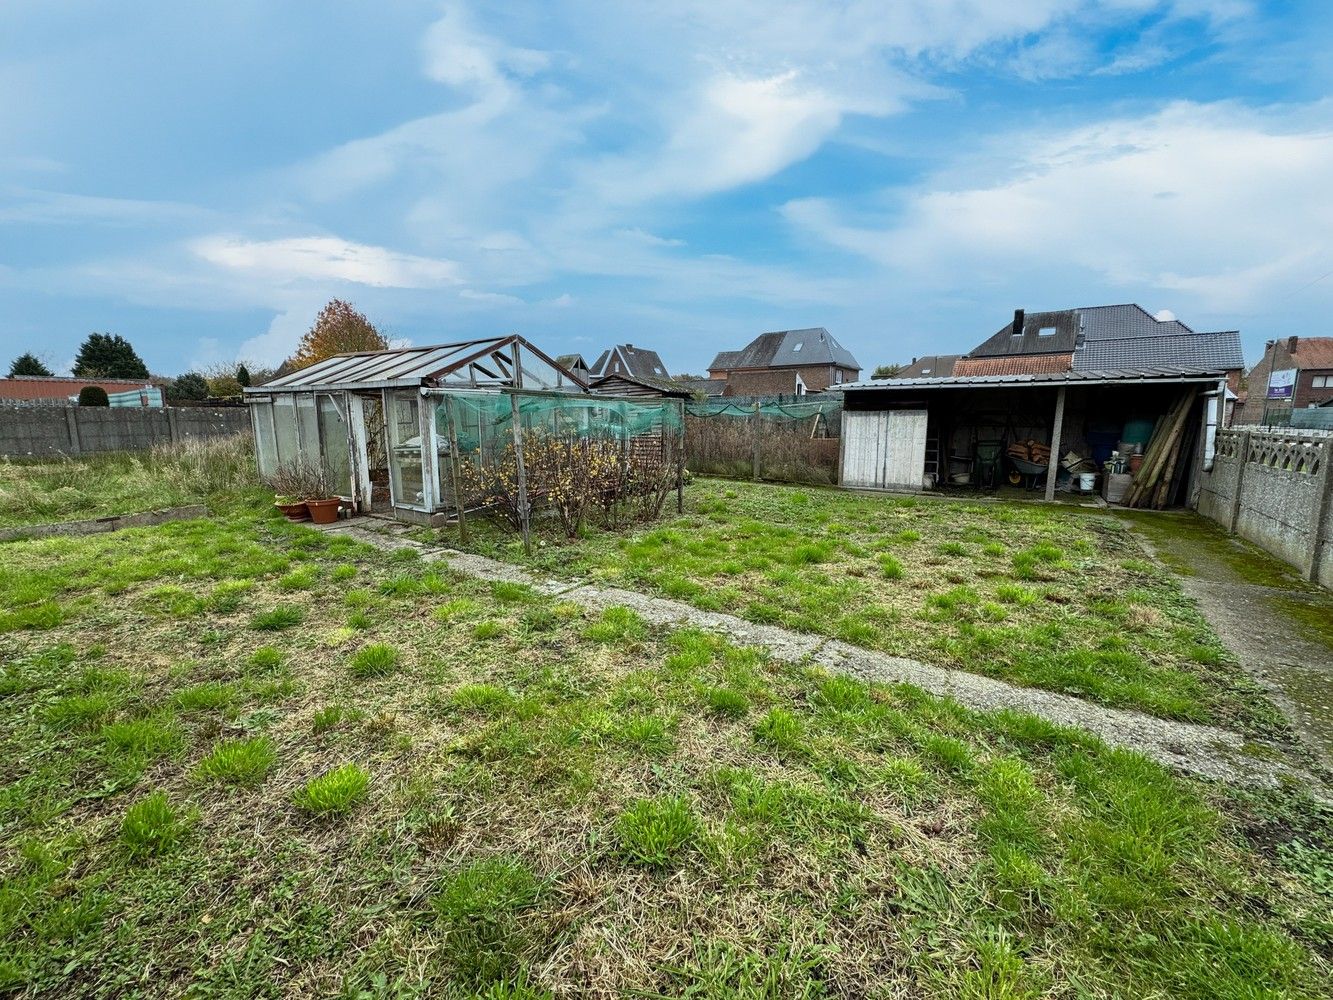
[
  {"x": 781, "y": 411},
  {"x": 483, "y": 419}
]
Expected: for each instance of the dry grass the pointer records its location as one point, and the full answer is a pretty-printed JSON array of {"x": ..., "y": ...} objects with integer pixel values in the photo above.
[
  {"x": 220, "y": 471},
  {"x": 807, "y": 836}
]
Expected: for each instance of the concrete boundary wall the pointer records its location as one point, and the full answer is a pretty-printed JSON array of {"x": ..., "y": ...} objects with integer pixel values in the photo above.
[
  {"x": 47, "y": 431},
  {"x": 1275, "y": 488}
]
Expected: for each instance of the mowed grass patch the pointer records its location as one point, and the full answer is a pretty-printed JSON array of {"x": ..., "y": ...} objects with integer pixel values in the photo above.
[
  {"x": 1015, "y": 591},
  {"x": 584, "y": 804}
]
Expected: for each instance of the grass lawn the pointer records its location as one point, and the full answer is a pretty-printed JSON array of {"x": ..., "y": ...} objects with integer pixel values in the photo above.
[
  {"x": 1042, "y": 596},
  {"x": 244, "y": 758}
]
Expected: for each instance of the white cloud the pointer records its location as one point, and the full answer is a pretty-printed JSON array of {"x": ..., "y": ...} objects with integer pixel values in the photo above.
[
  {"x": 326, "y": 257},
  {"x": 489, "y": 298},
  {"x": 1217, "y": 201}
]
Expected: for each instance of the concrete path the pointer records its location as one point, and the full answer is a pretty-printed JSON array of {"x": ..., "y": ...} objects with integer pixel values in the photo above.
[
  {"x": 1267, "y": 619},
  {"x": 1206, "y": 751}
]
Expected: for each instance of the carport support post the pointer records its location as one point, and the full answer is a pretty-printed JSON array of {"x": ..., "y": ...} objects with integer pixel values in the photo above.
[
  {"x": 754, "y": 458},
  {"x": 1054, "y": 465},
  {"x": 523, "y": 513}
]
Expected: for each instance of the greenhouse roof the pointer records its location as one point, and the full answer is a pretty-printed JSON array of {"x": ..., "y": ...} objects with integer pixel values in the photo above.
[{"x": 495, "y": 362}]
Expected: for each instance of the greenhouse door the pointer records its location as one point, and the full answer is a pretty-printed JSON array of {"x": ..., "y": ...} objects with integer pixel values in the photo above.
[{"x": 883, "y": 449}]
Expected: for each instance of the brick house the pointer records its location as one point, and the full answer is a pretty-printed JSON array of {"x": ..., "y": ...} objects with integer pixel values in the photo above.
[
  {"x": 1311, "y": 358},
  {"x": 785, "y": 362}
]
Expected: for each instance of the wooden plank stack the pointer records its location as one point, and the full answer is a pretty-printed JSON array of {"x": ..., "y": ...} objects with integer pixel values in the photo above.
[
  {"x": 1162, "y": 461},
  {"x": 1030, "y": 451}
]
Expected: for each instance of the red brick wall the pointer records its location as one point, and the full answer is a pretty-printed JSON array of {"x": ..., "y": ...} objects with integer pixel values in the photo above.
[
  {"x": 774, "y": 381},
  {"x": 59, "y": 388}
]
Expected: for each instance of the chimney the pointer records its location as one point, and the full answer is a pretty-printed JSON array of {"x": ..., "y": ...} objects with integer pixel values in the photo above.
[
  {"x": 1291, "y": 344},
  {"x": 1018, "y": 323}
]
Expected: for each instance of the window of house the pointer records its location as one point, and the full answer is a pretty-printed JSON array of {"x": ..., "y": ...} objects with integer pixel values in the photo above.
[
  {"x": 1320, "y": 382},
  {"x": 837, "y": 375},
  {"x": 799, "y": 345},
  {"x": 800, "y": 386},
  {"x": 1046, "y": 331}
]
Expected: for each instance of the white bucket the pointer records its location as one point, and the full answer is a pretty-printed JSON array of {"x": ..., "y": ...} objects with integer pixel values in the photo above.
[{"x": 1087, "y": 481}]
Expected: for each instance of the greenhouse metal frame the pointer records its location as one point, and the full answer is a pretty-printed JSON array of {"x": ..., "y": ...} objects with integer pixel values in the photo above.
[{"x": 395, "y": 426}]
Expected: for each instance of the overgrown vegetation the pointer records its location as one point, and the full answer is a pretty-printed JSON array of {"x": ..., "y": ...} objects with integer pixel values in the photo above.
[
  {"x": 563, "y": 803},
  {"x": 1047, "y": 597},
  {"x": 217, "y": 471}
]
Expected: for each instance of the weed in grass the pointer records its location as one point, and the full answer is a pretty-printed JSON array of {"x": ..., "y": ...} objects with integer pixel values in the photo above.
[
  {"x": 491, "y": 628},
  {"x": 539, "y": 619},
  {"x": 330, "y": 716},
  {"x": 375, "y": 660},
  {"x": 481, "y": 909},
  {"x": 890, "y": 567},
  {"x": 335, "y": 792},
  {"x": 727, "y": 702},
  {"x": 954, "y": 755},
  {"x": 1012, "y": 593},
  {"x": 80, "y": 711},
  {"x": 239, "y": 762},
  {"x": 265, "y": 660},
  {"x": 781, "y": 730},
  {"x": 459, "y": 607},
  {"x": 484, "y": 698},
  {"x": 648, "y": 734},
  {"x": 359, "y": 621},
  {"x": 358, "y": 598},
  {"x": 508, "y": 592},
  {"x": 843, "y": 694},
  {"x": 657, "y": 832},
  {"x": 152, "y": 826},
  {"x": 228, "y": 596},
  {"x": 951, "y": 549},
  {"x": 284, "y": 616},
  {"x": 299, "y": 579},
  {"x": 207, "y": 697},
  {"x": 617, "y": 625},
  {"x": 343, "y": 573},
  {"x": 151, "y": 737}
]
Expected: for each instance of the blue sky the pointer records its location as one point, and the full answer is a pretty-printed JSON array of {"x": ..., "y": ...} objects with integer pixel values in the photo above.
[{"x": 201, "y": 178}]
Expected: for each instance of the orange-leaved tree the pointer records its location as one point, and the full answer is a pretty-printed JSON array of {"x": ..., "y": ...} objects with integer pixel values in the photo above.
[{"x": 338, "y": 328}]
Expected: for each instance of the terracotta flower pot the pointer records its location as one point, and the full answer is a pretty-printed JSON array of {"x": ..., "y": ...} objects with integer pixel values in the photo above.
[
  {"x": 295, "y": 511},
  {"x": 323, "y": 511},
  {"x": 1135, "y": 462}
]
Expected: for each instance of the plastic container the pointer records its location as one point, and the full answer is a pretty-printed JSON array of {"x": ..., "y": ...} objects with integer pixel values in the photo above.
[
  {"x": 1138, "y": 431},
  {"x": 1087, "y": 482}
]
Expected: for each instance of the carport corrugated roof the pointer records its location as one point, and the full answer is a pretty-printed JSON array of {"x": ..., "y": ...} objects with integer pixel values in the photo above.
[{"x": 1104, "y": 376}]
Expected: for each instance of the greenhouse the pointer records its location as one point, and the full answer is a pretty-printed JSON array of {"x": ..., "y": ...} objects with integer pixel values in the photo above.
[{"x": 427, "y": 433}]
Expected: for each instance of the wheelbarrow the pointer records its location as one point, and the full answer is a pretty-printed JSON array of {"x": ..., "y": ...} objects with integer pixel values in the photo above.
[{"x": 1032, "y": 472}]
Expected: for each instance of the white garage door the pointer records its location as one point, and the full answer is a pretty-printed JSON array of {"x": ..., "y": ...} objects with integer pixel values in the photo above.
[{"x": 884, "y": 449}]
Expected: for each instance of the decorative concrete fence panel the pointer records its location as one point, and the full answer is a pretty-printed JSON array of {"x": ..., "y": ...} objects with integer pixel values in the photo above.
[
  {"x": 1273, "y": 488},
  {"x": 46, "y": 431}
]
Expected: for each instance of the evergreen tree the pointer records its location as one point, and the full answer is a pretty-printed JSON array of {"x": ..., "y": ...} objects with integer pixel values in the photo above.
[
  {"x": 29, "y": 364},
  {"x": 243, "y": 376},
  {"x": 887, "y": 371},
  {"x": 191, "y": 385},
  {"x": 338, "y": 328},
  {"x": 109, "y": 355},
  {"x": 93, "y": 395}
]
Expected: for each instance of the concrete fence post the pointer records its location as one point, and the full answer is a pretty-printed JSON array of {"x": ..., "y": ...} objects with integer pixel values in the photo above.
[
  {"x": 1324, "y": 496},
  {"x": 1243, "y": 456},
  {"x": 173, "y": 425},
  {"x": 72, "y": 422}
]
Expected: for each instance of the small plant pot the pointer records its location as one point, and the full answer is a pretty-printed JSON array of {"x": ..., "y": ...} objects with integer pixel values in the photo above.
[
  {"x": 295, "y": 511},
  {"x": 324, "y": 511}
]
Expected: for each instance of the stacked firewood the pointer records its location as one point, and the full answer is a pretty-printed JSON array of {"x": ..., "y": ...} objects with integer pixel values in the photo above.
[
  {"x": 1031, "y": 451},
  {"x": 1163, "y": 460}
]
